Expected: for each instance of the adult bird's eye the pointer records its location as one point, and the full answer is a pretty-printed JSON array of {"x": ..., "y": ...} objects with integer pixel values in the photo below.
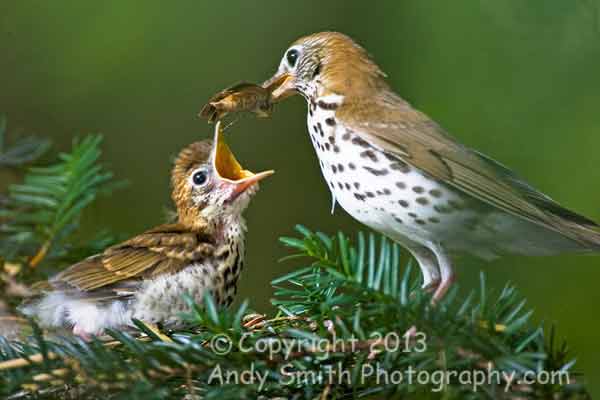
[
  {"x": 292, "y": 57},
  {"x": 199, "y": 178}
]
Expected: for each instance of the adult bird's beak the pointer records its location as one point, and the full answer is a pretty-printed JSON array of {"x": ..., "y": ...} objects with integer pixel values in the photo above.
[
  {"x": 229, "y": 170},
  {"x": 281, "y": 86}
]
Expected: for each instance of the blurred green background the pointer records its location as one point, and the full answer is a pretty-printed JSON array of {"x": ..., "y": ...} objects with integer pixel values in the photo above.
[{"x": 518, "y": 80}]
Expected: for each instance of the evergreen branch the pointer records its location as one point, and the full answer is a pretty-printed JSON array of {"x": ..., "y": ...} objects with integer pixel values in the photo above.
[
  {"x": 24, "y": 151},
  {"x": 341, "y": 313},
  {"x": 44, "y": 210}
]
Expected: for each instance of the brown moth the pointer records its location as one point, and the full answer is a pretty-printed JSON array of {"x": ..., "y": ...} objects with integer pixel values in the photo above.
[{"x": 242, "y": 96}]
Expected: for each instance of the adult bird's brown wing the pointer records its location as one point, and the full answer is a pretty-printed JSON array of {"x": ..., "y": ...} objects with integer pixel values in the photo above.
[
  {"x": 396, "y": 128},
  {"x": 163, "y": 250}
]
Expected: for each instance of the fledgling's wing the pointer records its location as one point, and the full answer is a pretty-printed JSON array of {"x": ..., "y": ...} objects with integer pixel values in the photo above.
[{"x": 165, "y": 249}]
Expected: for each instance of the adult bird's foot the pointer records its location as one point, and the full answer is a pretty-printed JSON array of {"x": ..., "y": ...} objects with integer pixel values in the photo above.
[
  {"x": 432, "y": 286},
  {"x": 442, "y": 289}
]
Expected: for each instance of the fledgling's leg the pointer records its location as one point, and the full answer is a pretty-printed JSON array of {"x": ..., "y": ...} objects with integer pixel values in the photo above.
[{"x": 79, "y": 331}]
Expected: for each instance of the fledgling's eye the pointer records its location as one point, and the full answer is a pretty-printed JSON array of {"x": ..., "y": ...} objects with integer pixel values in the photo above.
[
  {"x": 292, "y": 57},
  {"x": 200, "y": 177}
]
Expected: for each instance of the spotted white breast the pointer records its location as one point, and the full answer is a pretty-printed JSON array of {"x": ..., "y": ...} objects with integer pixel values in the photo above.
[{"x": 376, "y": 188}]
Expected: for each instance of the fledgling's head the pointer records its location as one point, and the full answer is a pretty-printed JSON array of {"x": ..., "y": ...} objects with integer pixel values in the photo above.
[
  {"x": 325, "y": 63},
  {"x": 209, "y": 183}
]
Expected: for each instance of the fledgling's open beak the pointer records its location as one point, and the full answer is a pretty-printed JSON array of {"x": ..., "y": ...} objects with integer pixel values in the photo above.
[
  {"x": 281, "y": 86},
  {"x": 229, "y": 169}
]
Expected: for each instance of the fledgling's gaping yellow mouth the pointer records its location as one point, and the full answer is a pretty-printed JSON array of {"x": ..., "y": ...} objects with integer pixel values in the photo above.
[{"x": 227, "y": 166}]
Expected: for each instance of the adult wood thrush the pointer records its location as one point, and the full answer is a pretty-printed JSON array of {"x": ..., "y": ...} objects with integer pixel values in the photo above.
[
  {"x": 147, "y": 276},
  {"x": 397, "y": 171}
]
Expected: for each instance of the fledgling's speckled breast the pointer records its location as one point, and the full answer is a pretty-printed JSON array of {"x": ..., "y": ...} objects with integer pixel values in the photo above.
[{"x": 162, "y": 299}]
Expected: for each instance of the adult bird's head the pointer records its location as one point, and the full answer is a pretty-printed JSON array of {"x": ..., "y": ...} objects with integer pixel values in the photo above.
[
  {"x": 326, "y": 63},
  {"x": 209, "y": 184}
]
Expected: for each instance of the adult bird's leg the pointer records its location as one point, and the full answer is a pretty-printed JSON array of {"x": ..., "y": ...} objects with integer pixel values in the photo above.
[
  {"x": 437, "y": 271},
  {"x": 446, "y": 272},
  {"x": 429, "y": 267},
  {"x": 431, "y": 275}
]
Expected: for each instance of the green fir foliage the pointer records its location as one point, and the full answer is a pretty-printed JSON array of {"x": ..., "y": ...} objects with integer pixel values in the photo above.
[
  {"x": 39, "y": 216},
  {"x": 346, "y": 310}
]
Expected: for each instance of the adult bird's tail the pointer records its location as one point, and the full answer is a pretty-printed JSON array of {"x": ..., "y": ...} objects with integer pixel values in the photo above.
[{"x": 575, "y": 226}]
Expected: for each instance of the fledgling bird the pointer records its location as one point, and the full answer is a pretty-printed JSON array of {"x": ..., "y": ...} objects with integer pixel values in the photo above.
[
  {"x": 147, "y": 276},
  {"x": 394, "y": 169},
  {"x": 243, "y": 96}
]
